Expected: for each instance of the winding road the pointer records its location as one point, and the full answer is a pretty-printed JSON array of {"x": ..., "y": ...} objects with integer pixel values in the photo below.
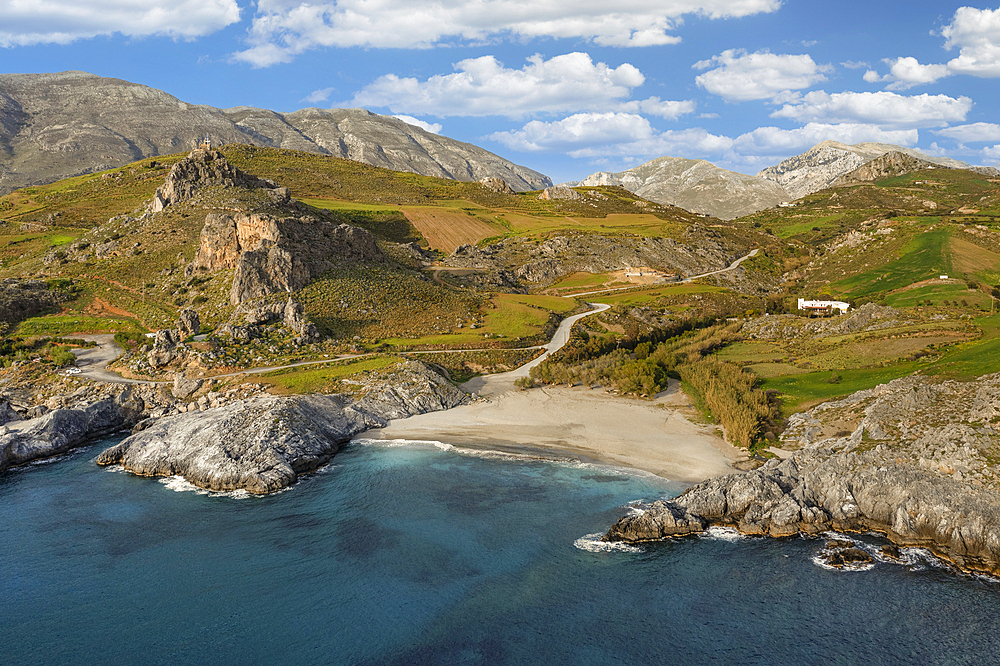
[
  {"x": 731, "y": 267},
  {"x": 93, "y": 362}
]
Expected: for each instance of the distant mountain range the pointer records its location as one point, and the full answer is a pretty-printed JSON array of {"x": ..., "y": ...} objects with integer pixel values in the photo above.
[
  {"x": 821, "y": 165},
  {"x": 695, "y": 185},
  {"x": 702, "y": 187},
  {"x": 53, "y": 126}
]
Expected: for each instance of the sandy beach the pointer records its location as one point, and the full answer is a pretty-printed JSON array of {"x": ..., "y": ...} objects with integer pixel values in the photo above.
[{"x": 587, "y": 423}]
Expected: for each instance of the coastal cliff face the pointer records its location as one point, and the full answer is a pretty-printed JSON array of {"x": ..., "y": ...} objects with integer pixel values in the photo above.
[
  {"x": 262, "y": 444},
  {"x": 916, "y": 467}
]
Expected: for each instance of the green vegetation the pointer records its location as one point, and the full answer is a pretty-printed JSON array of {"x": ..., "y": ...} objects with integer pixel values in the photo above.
[
  {"x": 62, "y": 325},
  {"x": 325, "y": 378}
]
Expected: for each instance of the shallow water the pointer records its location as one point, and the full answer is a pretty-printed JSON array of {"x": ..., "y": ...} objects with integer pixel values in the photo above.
[{"x": 422, "y": 555}]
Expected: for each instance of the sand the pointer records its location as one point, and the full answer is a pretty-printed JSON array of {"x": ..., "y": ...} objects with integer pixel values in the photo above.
[{"x": 589, "y": 424}]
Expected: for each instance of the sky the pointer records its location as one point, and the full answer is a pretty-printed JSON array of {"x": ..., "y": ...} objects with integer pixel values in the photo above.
[{"x": 565, "y": 88}]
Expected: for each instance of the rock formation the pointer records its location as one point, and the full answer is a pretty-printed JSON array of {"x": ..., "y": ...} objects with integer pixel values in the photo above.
[
  {"x": 916, "y": 467},
  {"x": 695, "y": 185},
  {"x": 55, "y": 126},
  {"x": 274, "y": 245},
  {"x": 893, "y": 163},
  {"x": 824, "y": 163},
  {"x": 262, "y": 444}
]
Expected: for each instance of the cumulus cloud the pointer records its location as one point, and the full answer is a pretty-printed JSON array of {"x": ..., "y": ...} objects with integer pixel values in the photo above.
[
  {"x": 972, "y": 132},
  {"x": 777, "y": 141},
  {"x": 976, "y": 33},
  {"x": 433, "y": 128},
  {"x": 907, "y": 72},
  {"x": 880, "y": 108},
  {"x": 609, "y": 134},
  {"x": 741, "y": 76},
  {"x": 485, "y": 87},
  {"x": 64, "y": 21},
  {"x": 282, "y": 29},
  {"x": 992, "y": 153}
]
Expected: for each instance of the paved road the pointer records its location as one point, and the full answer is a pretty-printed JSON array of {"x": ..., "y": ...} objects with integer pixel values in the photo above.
[
  {"x": 93, "y": 362},
  {"x": 502, "y": 382}
]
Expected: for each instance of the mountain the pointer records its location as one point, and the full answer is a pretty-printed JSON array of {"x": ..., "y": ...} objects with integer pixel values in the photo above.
[
  {"x": 695, "y": 185},
  {"x": 893, "y": 163},
  {"x": 54, "y": 126},
  {"x": 825, "y": 162}
]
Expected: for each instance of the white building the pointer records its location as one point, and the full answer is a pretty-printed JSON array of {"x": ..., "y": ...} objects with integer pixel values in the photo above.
[{"x": 824, "y": 306}]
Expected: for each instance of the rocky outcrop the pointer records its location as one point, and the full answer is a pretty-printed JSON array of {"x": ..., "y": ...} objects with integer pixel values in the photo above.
[
  {"x": 54, "y": 126},
  {"x": 869, "y": 317},
  {"x": 290, "y": 314},
  {"x": 205, "y": 168},
  {"x": 893, "y": 163},
  {"x": 498, "y": 185},
  {"x": 188, "y": 323},
  {"x": 559, "y": 193},
  {"x": 695, "y": 185},
  {"x": 20, "y": 299},
  {"x": 517, "y": 261},
  {"x": 274, "y": 254},
  {"x": 916, "y": 467},
  {"x": 824, "y": 163},
  {"x": 262, "y": 444},
  {"x": 60, "y": 430}
]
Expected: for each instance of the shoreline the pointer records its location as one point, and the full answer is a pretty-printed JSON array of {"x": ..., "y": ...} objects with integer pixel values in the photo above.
[{"x": 588, "y": 424}]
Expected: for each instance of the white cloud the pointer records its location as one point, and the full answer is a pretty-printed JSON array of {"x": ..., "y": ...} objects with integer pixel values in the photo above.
[
  {"x": 992, "y": 153},
  {"x": 433, "y": 128},
  {"x": 581, "y": 130},
  {"x": 64, "y": 21},
  {"x": 609, "y": 134},
  {"x": 972, "y": 132},
  {"x": 881, "y": 108},
  {"x": 976, "y": 32},
  {"x": 741, "y": 76},
  {"x": 484, "y": 87},
  {"x": 282, "y": 29},
  {"x": 317, "y": 96},
  {"x": 907, "y": 72},
  {"x": 777, "y": 141}
]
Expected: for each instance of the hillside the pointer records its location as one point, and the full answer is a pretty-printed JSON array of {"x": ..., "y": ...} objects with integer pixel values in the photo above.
[
  {"x": 821, "y": 165},
  {"x": 55, "y": 126},
  {"x": 695, "y": 185}
]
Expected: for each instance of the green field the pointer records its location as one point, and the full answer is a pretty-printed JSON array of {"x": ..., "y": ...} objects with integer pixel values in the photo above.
[
  {"x": 324, "y": 378},
  {"x": 63, "y": 325}
]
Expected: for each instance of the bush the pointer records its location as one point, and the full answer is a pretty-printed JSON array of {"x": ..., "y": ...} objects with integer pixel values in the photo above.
[{"x": 524, "y": 383}]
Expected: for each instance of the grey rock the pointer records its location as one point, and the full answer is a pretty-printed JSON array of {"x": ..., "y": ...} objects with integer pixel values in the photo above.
[
  {"x": 556, "y": 193},
  {"x": 184, "y": 387},
  {"x": 60, "y": 430},
  {"x": 188, "y": 323},
  {"x": 262, "y": 444}
]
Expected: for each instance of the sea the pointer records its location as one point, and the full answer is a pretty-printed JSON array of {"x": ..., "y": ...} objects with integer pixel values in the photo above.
[{"x": 421, "y": 553}]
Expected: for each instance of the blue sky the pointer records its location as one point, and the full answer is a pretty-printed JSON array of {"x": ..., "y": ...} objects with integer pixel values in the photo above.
[{"x": 566, "y": 88}]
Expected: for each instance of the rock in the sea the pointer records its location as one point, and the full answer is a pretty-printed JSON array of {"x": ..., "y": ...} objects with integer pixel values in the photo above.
[
  {"x": 259, "y": 445},
  {"x": 60, "y": 430},
  {"x": 262, "y": 444}
]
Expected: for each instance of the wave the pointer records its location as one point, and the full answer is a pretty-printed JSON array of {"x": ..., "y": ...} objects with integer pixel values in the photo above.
[
  {"x": 592, "y": 543},
  {"x": 181, "y": 485},
  {"x": 720, "y": 533}
]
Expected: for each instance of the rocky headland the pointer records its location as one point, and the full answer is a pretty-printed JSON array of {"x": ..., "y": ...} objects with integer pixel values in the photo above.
[
  {"x": 263, "y": 443},
  {"x": 912, "y": 459}
]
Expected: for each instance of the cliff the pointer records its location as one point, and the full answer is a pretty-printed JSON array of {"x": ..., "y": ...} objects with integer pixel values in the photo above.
[{"x": 917, "y": 466}]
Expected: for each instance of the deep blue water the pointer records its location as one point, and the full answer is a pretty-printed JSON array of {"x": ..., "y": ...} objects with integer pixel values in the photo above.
[{"x": 414, "y": 555}]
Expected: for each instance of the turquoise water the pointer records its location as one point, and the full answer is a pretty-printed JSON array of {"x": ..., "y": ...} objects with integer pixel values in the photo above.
[{"x": 416, "y": 555}]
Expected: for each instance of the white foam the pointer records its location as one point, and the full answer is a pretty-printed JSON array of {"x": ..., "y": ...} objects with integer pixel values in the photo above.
[
  {"x": 396, "y": 443},
  {"x": 720, "y": 533},
  {"x": 592, "y": 543},
  {"x": 181, "y": 485}
]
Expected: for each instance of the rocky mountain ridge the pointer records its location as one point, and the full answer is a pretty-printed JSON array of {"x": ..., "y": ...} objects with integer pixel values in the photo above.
[
  {"x": 59, "y": 125},
  {"x": 695, "y": 185},
  {"x": 820, "y": 166}
]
